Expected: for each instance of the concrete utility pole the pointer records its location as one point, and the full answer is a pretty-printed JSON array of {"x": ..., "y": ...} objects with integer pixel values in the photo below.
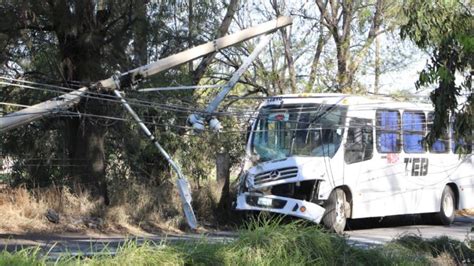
[{"x": 41, "y": 110}]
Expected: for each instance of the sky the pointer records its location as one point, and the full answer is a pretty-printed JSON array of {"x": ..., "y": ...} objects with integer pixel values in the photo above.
[{"x": 400, "y": 80}]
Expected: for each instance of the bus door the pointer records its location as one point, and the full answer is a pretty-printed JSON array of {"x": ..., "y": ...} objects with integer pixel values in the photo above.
[{"x": 358, "y": 152}]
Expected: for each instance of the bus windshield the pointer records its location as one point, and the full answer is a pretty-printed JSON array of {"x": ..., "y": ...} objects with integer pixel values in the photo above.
[{"x": 298, "y": 130}]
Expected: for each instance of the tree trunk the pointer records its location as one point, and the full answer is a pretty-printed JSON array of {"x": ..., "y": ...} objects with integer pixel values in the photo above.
[
  {"x": 140, "y": 29},
  {"x": 81, "y": 61},
  {"x": 223, "y": 176},
  {"x": 377, "y": 65},
  {"x": 341, "y": 36},
  {"x": 90, "y": 146},
  {"x": 289, "y": 59},
  {"x": 317, "y": 55},
  {"x": 342, "y": 75}
]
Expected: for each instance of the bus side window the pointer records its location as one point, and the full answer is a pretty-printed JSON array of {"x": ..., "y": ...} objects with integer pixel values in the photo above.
[
  {"x": 388, "y": 131},
  {"x": 413, "y": 124},
  {"x": 441, "y": 144},
  {"x": 360, "y": 142}
]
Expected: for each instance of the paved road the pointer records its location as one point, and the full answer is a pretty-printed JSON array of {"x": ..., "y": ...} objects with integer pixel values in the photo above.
[
  {"x": 460, "y": 230},
  {"x": 57, "y": 245}
]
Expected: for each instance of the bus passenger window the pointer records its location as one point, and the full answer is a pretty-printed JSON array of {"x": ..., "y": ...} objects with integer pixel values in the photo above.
[
  {"x": 441, "y": 144},
  {"x": 413, "y": 132},
  {"x": 388, "y": 131},
  {"x": 359, "y": 144}
]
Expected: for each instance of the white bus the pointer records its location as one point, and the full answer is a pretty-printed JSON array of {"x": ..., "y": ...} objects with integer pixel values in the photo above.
[{"x": 332, "y": 157}]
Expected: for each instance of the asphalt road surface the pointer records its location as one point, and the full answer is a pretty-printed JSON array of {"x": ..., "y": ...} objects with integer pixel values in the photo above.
[
  {"x": 359, "y": 235},
  {"x": 395, "y": 227}
]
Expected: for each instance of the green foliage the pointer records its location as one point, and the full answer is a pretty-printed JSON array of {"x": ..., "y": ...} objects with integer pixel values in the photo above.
[
  {"x": 24, "y": 257},
  {"x": 446, "y": 29},
  {"x": 133, "y": 254},
  {"x": 49, "y": 43}
]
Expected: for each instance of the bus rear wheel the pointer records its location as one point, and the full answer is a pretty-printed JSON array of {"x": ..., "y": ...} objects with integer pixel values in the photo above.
[
  {"x": 445, "y": 216},
  {"x": 334, "y": 218}
]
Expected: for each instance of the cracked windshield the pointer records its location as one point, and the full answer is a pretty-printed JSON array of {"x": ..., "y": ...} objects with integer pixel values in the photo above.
[{"x": 298, "y": 130}]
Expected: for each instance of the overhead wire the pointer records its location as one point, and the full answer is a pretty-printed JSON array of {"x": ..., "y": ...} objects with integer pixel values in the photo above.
[
  {"x": 98, "y": 94},
  {"x": 258, "y": 116},
  {"x": 148, "y": 104},
  {"x": 53, "y": 86},
  {"x": 248, "y": 114},
  {"x": 110, "y": 98},
  {"x": 197, "y": 87},
  {"x": 153, "y": 104}
]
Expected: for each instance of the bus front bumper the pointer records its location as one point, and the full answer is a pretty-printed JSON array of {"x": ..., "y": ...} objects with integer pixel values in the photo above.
[{"x": 288, "y": 206}]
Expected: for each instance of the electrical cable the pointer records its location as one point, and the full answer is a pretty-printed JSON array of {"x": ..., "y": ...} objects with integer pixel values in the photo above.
[
  {"x": 70, "y": 113},
  {"x": 147, "y": 102}
]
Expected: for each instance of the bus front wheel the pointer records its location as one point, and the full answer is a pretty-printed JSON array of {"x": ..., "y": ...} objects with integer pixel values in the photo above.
[
  {"x": 334, "y": 217},
  {"x": 445, "y": 216}
]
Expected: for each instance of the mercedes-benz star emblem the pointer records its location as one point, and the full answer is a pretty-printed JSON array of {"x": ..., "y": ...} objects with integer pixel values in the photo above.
[{"x": 274, "y": 174}]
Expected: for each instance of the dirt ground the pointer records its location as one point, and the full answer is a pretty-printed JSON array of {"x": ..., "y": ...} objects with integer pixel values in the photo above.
[{"x": 466, "y": 212}]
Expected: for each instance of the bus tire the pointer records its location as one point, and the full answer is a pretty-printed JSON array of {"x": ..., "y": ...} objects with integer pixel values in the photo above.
[
  {"x": 334, "y": 218},
  {"x": 447, "y": 211}
]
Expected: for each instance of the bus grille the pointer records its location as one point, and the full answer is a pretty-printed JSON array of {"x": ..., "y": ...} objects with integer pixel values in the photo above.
[{"x": 277, "y": 174}]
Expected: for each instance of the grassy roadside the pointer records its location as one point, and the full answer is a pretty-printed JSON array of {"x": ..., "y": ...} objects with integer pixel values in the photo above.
[
  {"x": 134, "y": 209},
  {"x": 272, "y": 243}
]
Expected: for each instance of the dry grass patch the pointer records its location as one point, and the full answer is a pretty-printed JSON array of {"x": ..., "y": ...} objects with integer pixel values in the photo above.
[
  {"x": 19, "y": 210},
  {"x": 139, "y": 207},
  {"x": 25, "y": 210},
  {"x": 466, "y": 212},
  {"x": 135, "y": 208}
]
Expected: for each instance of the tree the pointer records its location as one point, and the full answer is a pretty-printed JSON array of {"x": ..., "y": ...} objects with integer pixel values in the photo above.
[
  {"x": 444, "y": 28},
  {"x": 84, "y": 37},
  {"x": 339, "y": 17},
  {"x": 88, "y": 45}
]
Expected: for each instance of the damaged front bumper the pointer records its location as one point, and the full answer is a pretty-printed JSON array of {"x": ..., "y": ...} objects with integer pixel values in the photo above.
[{"x": 288, "y": 206}]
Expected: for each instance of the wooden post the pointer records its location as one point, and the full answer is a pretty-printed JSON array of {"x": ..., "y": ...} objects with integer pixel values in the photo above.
[{"x": 223, "y": 176}]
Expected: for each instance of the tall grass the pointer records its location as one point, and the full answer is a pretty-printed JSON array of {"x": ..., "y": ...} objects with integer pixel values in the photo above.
[
  {"x": 24, "y": 210},
  {"x": 265, "y": 242},
  {"x": 24, "y": 257}
]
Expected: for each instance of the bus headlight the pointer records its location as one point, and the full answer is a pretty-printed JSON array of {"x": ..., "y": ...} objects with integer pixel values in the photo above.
[
  {"x": 248, "y": 181},
  {"x": 243, "y": 181}
]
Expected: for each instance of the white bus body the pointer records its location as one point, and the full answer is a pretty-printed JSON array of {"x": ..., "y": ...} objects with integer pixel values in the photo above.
[{"x": 329, "y": 157}]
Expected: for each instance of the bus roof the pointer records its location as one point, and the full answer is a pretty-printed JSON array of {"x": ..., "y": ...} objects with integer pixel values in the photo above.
[{"x": 354, "y": 102}]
